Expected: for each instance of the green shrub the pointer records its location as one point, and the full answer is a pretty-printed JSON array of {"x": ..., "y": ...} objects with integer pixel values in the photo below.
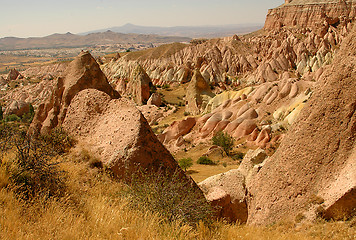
[
  {"x": 185, "y": 163},
  {"x": 204, "y": 160},
  {"x": 170, "y": 195},
  {"x": 12, "y": 118},
  {"x": 186, "y": 113},
  {"x": 223, "y": 140}
]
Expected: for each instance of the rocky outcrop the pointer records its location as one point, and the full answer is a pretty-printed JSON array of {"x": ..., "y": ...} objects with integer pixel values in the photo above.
[
  {"x": 155, "y": 99},
  {"x": 82, "y": 73},
  {"x": 18, "y": 108},
  {"x": 13, "y": 75},
  {"x": 116, "y": 131},
  {"x": 198, "y": 93},
  {"x": 228, "y": 191},
  {"x": 177, "y": 129},
  {"x": 317, "y": 156},
  {"x": 139, "y": 86},
  {"x": 317, "y": 14},
  {"x": 2, "y": 81},
  {"x": 46, "y": 72}
]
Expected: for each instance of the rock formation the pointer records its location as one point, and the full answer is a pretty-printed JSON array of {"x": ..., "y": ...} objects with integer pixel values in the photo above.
[
  {"x": 155, "y": 99},
  {"x": 228, "y": 190},
  {"x": 317, "y": 157},
  {"x": 116, "y": 131},
  {"x": 111, "y": 127},
  {"x": 13, "y": 75},
  {"x": 311, "y": 13},
  {"x": 82, "y": 73},
  {"x": 198, "y": 93},
  {"x": 18, "y": 108},
  {"x": 139, "y": 86}
]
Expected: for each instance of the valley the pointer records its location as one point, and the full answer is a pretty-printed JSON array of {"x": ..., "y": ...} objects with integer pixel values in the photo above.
[{"x": 248, "y": 136}]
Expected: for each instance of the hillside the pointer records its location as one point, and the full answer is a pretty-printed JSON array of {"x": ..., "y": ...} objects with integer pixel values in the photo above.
[
  {"x": 71, "y": 40},
  {"x": 317, "y": 14},
  {"x": 257, "y": 130}
]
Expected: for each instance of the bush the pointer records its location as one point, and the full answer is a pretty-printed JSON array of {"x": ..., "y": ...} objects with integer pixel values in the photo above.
[
  {"x": 205, "y": 161},
  {"x": 170, "y": 195},
  {"x": 12, "y": 118},
  {"x": 223, "y": 140},
  {"x": 185, "y": 163},
  {"x": 58, "y": 141},
  {"x": 33, "y": 171}
]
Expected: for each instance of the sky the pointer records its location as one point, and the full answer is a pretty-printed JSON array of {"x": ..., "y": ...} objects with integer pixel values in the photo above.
[{"x": 25, "y": 18}]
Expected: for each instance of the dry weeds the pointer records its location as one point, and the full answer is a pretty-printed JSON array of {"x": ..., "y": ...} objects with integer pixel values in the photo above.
[{"x": 96, "y": 208}]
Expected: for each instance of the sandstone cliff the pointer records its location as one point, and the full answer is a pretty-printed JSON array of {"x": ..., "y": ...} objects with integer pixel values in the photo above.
[
  {"x": 317, "y": 157},
  {"x": 317, "y": 14}
]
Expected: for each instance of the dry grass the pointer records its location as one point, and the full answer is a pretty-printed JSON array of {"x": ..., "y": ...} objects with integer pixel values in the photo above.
[{"x": 95, "y": 208}]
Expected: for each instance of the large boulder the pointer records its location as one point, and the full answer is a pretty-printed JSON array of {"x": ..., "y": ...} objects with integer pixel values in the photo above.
[
  {"x": 17, "y": 107},
  {"x": 155, "y": 99},
  {"x": 227, "y": 191},
  {"x": 317, "y": 156},
  {"x": 116, "y": 131},
  {"x": 83, "y": 73}
]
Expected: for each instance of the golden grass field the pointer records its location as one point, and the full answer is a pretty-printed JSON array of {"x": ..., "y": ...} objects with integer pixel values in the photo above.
[{"x": 96, "y": 208}]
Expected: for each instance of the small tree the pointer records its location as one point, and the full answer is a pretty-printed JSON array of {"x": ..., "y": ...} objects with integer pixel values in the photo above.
[
  {"x": 223, "y": 140},
  {"x": 185, "y": 163}
]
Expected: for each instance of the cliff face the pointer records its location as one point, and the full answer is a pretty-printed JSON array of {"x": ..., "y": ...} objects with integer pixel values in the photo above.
[
  {"x": 317, "y": 156},
  {"x": 317, "y": 14}
]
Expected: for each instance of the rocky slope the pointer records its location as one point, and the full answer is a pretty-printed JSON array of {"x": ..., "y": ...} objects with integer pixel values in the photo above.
[
  {"x": 317, "y": 157},
  {"x": 317, "y": 14}
]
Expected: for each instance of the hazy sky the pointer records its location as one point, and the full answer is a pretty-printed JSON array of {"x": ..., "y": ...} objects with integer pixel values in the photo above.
[{"x": 24, "y": 18}]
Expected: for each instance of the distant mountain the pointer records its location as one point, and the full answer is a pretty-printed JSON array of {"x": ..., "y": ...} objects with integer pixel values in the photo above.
[
  {"x": 185, "y": 31},
  {"x": 92, "y": 39}
]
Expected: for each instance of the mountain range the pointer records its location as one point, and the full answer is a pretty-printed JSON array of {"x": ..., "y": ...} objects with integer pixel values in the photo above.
[
  {"x": 185, "y": 31},
  {"x": 69, "y": 40}
]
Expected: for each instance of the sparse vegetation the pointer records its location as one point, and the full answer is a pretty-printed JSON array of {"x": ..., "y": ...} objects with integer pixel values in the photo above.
[
  {"x": 28, "y": 117},
  {"x": 204, "y": 160},
  {"x": 238, "y": 156},
  {"x": 96, "y": 206},
  {"x": 33, "y": 170},
  {"x": 170, "y": 196},
  {"x": 223, "y": 140},
  {"x": 185, "y": 163},
  {"x": 12, "y": 118}
]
